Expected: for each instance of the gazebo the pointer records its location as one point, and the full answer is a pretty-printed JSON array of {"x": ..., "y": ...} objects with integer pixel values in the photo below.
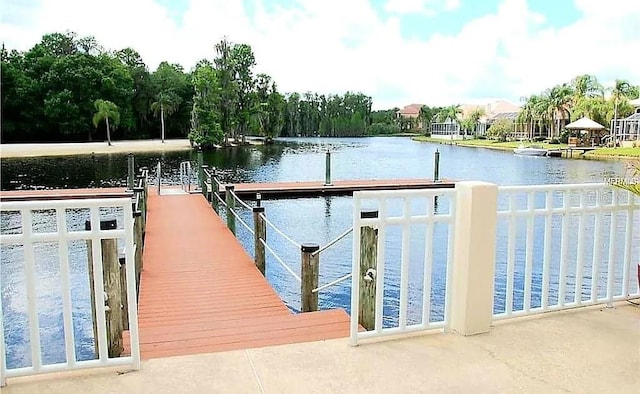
[{"x": 587, "y": 128}]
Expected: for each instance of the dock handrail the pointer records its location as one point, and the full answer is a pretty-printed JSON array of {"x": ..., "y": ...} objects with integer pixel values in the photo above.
[{"x": 280, "y": 232}]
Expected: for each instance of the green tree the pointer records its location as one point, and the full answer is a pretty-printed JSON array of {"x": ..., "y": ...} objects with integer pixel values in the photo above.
[
  {"x": 205, "y": 119},
  {"x": 106, "y": 110},
  {"x": 500, "y": 129},
  {"x": 559, "y": 101},
  {"x": 168, "y": 80},
  {"x": 426, "y": 115}
]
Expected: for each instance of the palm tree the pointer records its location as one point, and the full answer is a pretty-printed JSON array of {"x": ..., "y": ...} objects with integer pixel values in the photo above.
[
  {"x": 586, "y": 86},
  {"x": 560, "y": 98},
  {"x": 166, "y": 103},
  {"x": 527, "y": 114},
  {"x": 106, "y": 110},
  {"x": 426, "y": 116},
  {"x": 620, "y": 92},
  {"x": 449, "y": 113}
]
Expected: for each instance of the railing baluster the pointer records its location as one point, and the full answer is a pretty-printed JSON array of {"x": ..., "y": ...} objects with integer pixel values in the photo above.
[
  {"x": 577, "y": 296},
  {"x": 382, "y": 238},
  {"x": 627, "y": 249},
  {"x": 32, "y": 296},
  {"x": 511, "y": 254},
  {"x": 612, "y": 242},
  {"x": 63, "y": 250},
  {"x": 546, "y": 262},
  {"x": 98, "y": 285},
  {"x": 529, "y": 252},
  {"x": 595, "y": 264},
  {"x": 427, "y": 274},
  {"x": 564, "y": 248},
  {"x": 404, "y": 265}
]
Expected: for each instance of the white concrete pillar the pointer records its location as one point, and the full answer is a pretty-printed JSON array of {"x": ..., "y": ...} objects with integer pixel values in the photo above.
[{"x": 474, "y": 257}]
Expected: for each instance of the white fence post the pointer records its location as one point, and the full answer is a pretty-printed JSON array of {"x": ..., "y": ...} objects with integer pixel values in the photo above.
[{"x": 474, "y": 257}]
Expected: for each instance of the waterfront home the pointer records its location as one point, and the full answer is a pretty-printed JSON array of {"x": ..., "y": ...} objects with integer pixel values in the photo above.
[{"x": 627, "y": 130}]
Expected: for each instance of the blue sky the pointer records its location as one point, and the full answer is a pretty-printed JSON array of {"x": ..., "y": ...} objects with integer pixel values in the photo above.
[{"x": 434, "y": 52}]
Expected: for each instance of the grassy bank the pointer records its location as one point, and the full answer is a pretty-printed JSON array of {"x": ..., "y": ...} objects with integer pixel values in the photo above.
[{"x": 600, "y": 153}]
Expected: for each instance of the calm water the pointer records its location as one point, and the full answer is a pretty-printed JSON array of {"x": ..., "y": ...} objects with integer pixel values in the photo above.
[{"x": 316, "y": 220}]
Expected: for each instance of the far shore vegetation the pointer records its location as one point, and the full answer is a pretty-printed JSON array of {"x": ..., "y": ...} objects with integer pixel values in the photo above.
[{"x": 68, "y": 88}]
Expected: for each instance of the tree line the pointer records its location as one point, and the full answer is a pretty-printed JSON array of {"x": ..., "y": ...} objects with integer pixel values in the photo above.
[
  {"x": 69, "y": 88},
  {"x": 584, "y": 95}
]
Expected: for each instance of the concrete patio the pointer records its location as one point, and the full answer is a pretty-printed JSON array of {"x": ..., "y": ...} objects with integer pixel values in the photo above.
[{"x": 589, "y": 350}]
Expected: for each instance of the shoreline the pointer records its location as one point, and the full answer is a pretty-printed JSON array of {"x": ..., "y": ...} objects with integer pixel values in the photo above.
[
  {"x": 586, "y": 156},
  {"x": 87, "y": 148}
]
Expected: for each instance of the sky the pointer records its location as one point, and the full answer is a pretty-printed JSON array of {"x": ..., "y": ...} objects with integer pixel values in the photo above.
[{"x": 434, "y": 52}]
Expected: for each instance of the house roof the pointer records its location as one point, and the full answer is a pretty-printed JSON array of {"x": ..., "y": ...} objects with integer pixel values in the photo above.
[
  {"x": 504, "y": 115},
  {"x": 411, "y": 110},
  {"x": 635, "y": 103}
]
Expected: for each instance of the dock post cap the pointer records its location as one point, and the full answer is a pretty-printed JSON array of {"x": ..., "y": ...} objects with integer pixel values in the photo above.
[
  {"x": 368, "y": 213},
  {"x": 258, "y": 209},
  {"x": 309, "y": 247},
  {"x": 106, "y": 223}
]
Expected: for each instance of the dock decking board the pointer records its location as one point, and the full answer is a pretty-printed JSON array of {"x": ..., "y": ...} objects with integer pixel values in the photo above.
[
  {"x": 317, "y": 188},
  {"x": 201, "y": 292}
]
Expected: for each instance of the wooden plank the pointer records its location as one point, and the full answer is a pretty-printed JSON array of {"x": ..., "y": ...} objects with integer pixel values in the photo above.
[{"x": 314, "y": 189}]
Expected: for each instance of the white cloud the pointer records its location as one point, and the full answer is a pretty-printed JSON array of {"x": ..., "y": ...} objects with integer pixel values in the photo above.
[
  {"x": 427, "y": 7},
  {"x": 311, "y": 47}
]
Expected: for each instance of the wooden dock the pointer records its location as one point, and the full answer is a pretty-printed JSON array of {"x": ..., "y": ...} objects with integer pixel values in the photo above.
[
  {"x": 200, "y": 291},
  {"x": 315, "y": 189}
]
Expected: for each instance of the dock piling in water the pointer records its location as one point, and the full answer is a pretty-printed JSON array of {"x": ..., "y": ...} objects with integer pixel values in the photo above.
[
  {"x": 111, "y": 281},
  {"x": 309, "y": 271},
  {"x": 436, "y": 167},
  {"x": 260, "y": 235},
  {"x": 131, "y": 171},
  {"x": 368, "y": 266},
  {"x": 327, "y": 173},
  {"x": 231, "y": 205},
  {"x": 201, "y": 179}
]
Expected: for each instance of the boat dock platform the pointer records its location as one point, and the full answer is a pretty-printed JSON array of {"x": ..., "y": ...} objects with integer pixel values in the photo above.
[{"x": 315, "y": 189}]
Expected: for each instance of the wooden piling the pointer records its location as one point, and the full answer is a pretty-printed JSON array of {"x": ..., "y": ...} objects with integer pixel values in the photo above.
[
  {"x": 327, "y": 169},
  {"x": 111, "y": 282},
  {"x": 231, "y": 206},
  {"x": 201, "y": 179},
  {"x": 123, "y": 292},
  {"x": 130, "y": 171},
  {"x": 138, "y": 240},
  {"x": 368, "y": 267},
  {"x": 309, "y": 277},
  {"x": 260, "y": 235},
  {"x": 215, "y": 191},
  {"x": 436, "y": 167}
]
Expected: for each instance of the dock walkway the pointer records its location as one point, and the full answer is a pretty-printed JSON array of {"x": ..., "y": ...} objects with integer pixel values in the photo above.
[{"x": 200, "y": 291}]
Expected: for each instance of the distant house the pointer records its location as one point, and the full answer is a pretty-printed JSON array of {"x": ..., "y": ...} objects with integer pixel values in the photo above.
[
  {"x": 492, "y": 111},
  {"x": 627, "y": 129},
  {"x": 410, "y": 113}
]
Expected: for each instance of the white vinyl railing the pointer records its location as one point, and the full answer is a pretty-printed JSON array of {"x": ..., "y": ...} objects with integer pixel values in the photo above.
[
  {"x": 27, "y": 238},
  {"x": 420, "y": 216},
  {"x": 564, "y": 246}
]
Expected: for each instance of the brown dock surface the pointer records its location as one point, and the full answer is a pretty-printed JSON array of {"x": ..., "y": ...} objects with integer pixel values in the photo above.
[
  {"x": 318, "y": 188},
  {"x": 200, "y": 291}
]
